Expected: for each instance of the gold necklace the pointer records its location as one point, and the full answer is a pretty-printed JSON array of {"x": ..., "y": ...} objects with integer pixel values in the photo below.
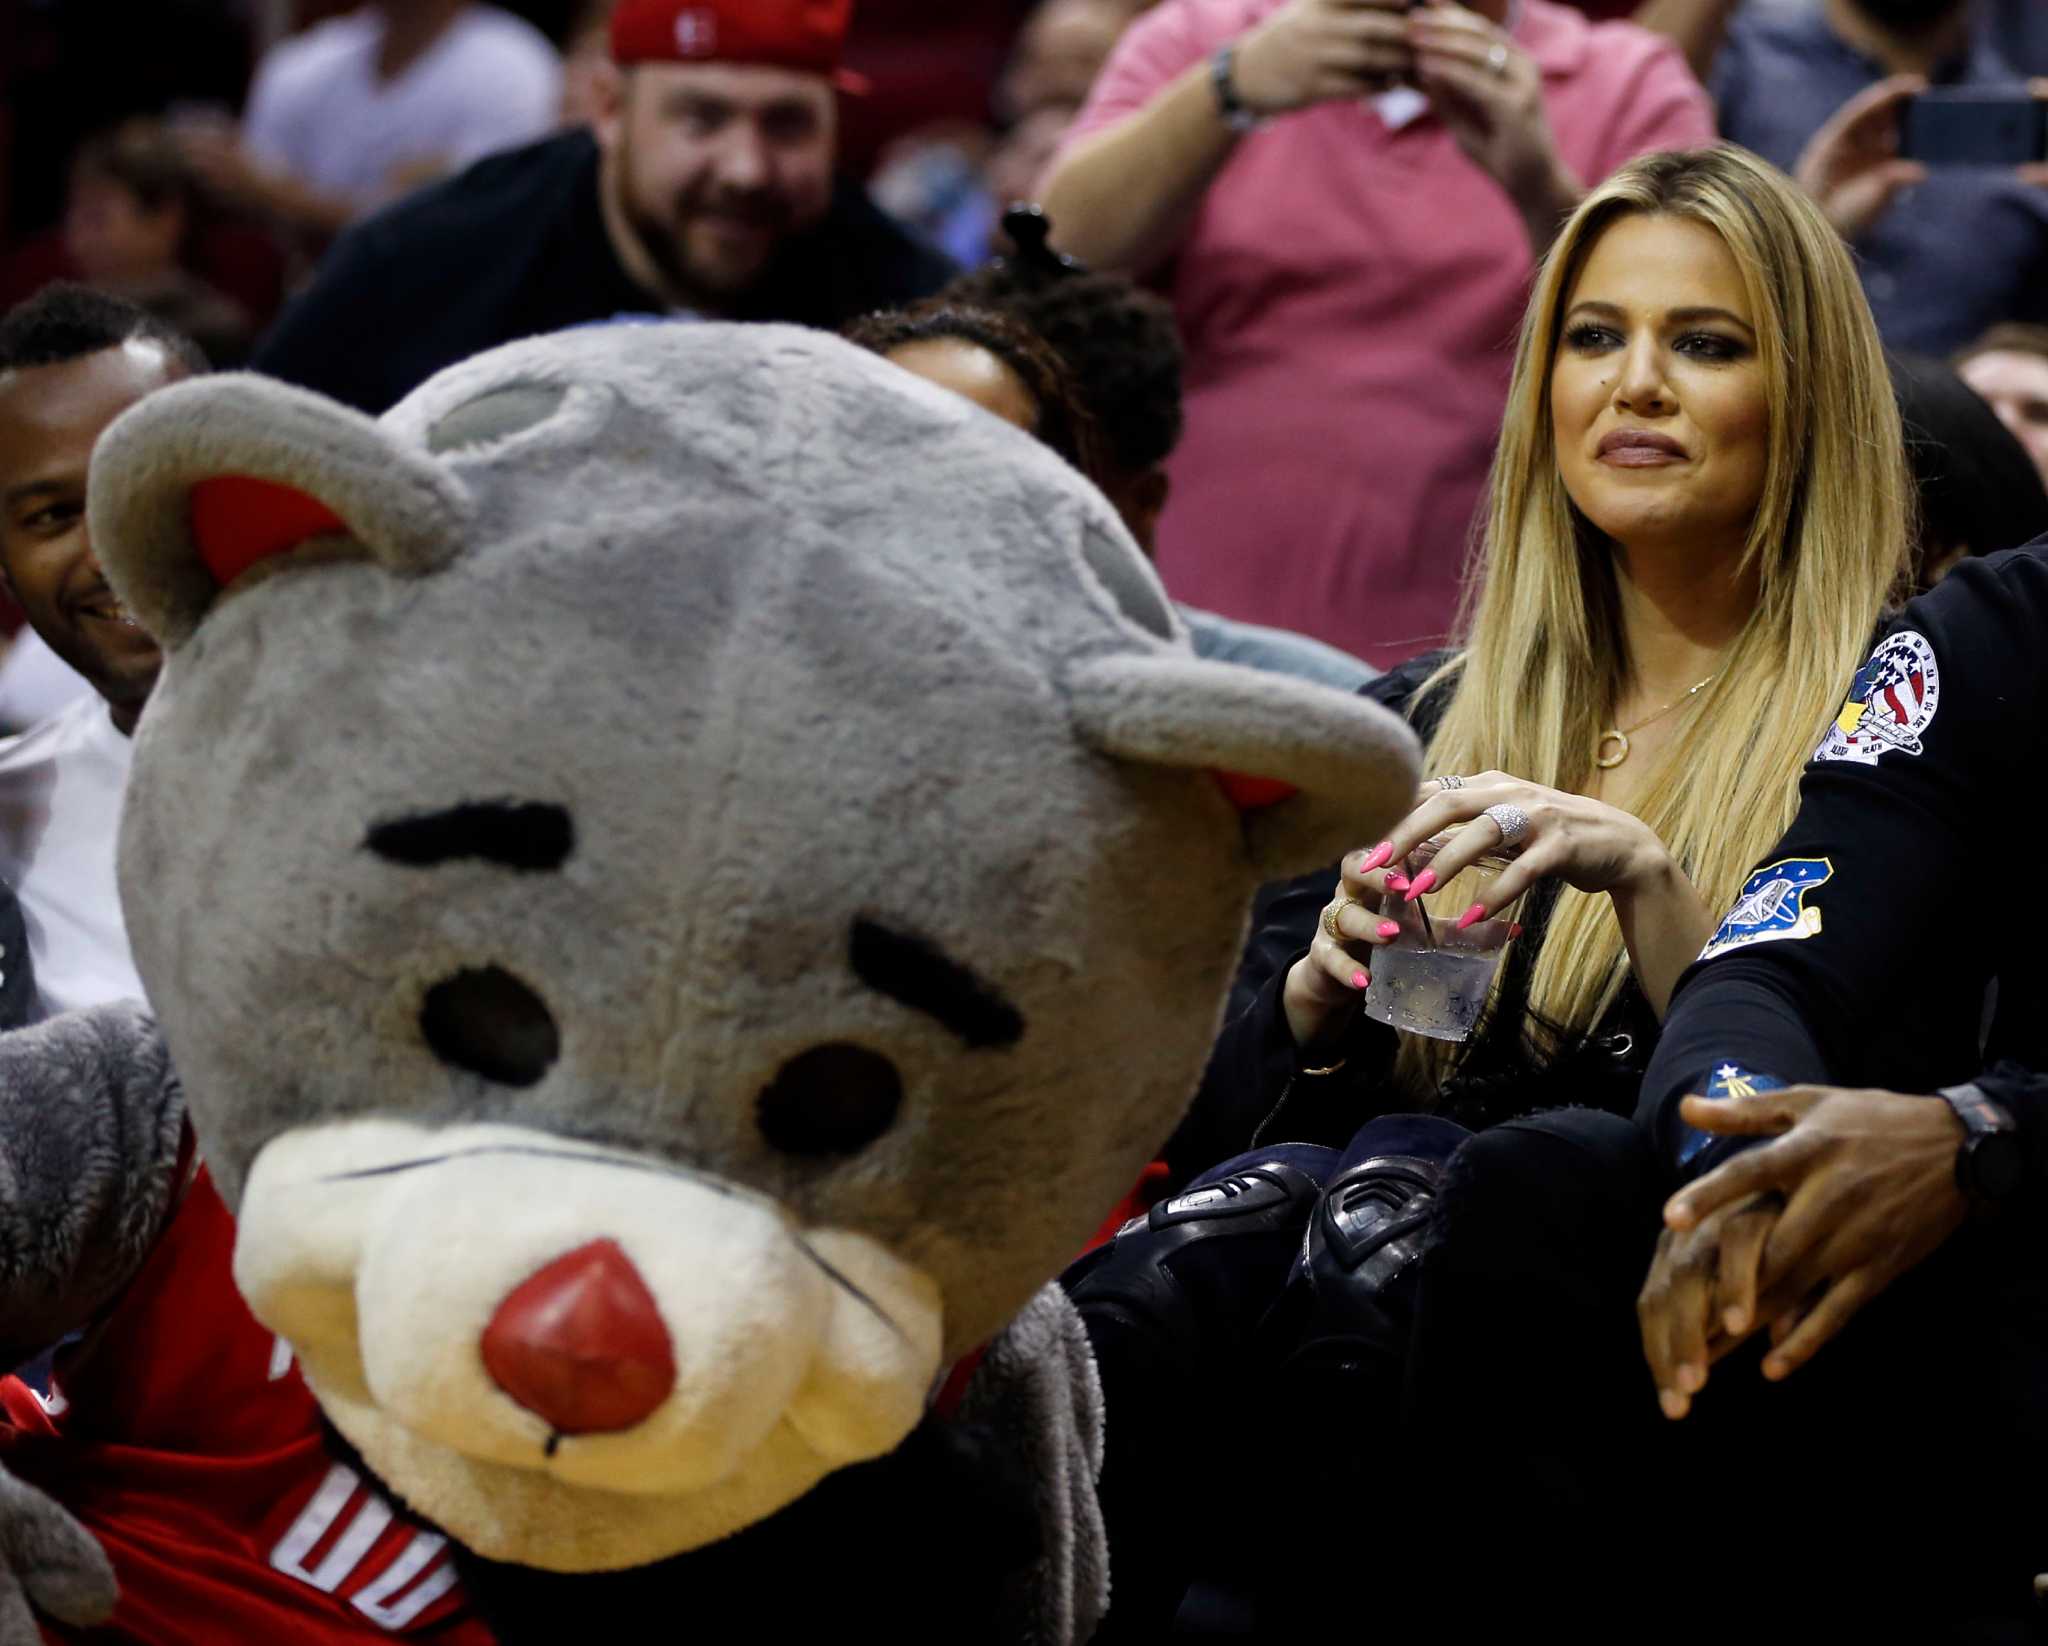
[{"x": 1619, "y": 734}]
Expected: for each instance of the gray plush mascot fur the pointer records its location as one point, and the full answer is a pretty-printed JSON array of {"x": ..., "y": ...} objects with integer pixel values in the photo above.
[{"x": 683, "y": 871}]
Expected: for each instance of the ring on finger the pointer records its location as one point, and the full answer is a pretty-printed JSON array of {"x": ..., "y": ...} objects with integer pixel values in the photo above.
[
  {"x": 1512, "y": 822},
  {"x": 1334, "y": 914},
  {"x": 1447, "y": 784},
  {"x": 1497, "y": 58}
]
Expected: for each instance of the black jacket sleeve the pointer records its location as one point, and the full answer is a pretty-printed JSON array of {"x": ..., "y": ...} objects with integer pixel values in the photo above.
[{"x": 1861, "y": 950}]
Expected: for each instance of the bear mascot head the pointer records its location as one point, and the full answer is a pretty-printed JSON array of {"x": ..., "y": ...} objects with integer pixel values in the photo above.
[{"x": 684, "y": 872}]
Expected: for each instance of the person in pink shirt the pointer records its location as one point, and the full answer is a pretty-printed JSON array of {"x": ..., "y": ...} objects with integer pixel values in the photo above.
[{"x": 1345, "y": 200}]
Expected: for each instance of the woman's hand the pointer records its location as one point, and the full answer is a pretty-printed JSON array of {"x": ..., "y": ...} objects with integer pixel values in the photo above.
[
  {"x": 1580, "y": 841},
  {"x": 1584, "y": 843},
  {"x": 1489, "y": 94},
  {"x": 1595, "y": 847},
  {"x": 1327, "y": 985}
]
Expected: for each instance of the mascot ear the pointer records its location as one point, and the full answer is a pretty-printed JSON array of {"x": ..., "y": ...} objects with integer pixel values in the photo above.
[
  {"x": 202, "y": 482},
  {"x": 1314, "y": 771}
]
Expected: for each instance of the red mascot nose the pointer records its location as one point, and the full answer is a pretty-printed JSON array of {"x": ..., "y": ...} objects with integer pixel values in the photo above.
[{"x": 581, "y": 1344}]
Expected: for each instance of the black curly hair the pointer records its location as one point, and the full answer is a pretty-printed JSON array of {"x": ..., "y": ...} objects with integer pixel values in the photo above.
[
  {"x": 66, "y": 321},
  {"x": 1064, "y": 422},
  {"x": 1119, "y": 342}
]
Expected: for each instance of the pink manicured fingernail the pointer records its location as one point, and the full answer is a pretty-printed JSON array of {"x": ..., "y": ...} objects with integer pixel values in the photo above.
[
  {"x": 1360, "y": 980},
  {"x": 1472, "y": 916},
  {"x": 1397, "y": 882},
  {"x": 1378, "y": 858},
  {"x": 1421, "y": 884},
  {"x": 1390, "y": 928}
]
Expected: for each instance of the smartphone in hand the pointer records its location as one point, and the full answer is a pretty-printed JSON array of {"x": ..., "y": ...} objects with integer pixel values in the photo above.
[{"x": 1974, "y": 128}]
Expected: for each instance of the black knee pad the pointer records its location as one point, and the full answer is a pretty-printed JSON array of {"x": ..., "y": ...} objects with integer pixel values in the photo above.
[
  {"x": 1193, "y": 1276},
  {"x": 1338, "y": 1339}
]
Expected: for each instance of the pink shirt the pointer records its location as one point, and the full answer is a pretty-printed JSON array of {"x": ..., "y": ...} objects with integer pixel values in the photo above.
[{"x": 1350, "y": 296}]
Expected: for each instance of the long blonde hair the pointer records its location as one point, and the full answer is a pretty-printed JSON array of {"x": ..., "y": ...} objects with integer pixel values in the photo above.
[{"x": 1544, "y": 649}]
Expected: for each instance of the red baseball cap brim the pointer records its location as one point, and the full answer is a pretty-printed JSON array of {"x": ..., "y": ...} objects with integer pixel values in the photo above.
[{"x": 807, "y": 36}]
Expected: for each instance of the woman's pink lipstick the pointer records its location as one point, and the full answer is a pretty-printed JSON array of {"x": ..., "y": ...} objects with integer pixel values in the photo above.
[{"x": 1639, "y": 449}]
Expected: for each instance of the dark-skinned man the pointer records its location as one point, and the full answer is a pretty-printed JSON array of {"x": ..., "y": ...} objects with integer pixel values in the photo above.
[
  {"x": 170, "y": 1428},
  {"x": 706, "y": 189},
  {"x": 71, "y": 361}
]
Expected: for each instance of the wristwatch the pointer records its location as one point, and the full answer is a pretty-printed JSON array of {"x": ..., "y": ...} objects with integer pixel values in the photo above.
[
  {"x": 1222, "y": 75},
  {"x": 1990, "y": 1163}
]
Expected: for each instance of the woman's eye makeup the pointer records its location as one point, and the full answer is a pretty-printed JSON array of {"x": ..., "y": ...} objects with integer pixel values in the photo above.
[
  {"x": 1589, "y": 337},
  {"x": 1707, "y": 345}
]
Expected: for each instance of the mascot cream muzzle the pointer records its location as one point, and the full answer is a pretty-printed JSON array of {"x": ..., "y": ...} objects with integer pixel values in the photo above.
[{"x": 606, "y": 1323}]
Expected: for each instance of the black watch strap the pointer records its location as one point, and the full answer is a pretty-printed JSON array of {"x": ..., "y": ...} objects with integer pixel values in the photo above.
[
  {"x": 1989, "y": 1163},
  {"x": 1223, "y": 76}
]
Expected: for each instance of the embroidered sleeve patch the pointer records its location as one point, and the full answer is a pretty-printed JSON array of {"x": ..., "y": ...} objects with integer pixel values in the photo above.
[
  {"x": 1891, "y": 703},
  {"x": 1727, "y": 1080},
  {"x": 1772, "y": 907}
]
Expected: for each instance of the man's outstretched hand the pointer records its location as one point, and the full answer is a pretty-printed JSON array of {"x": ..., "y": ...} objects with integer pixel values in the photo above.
[{"x": 1853, "y": 1189}]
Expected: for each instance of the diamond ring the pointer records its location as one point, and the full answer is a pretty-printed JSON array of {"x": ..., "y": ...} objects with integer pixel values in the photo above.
[
  {"x": 1512, "y": 822},
  {"x": 1449, "y": 783},
  {"x": 1497, "y": 58}
]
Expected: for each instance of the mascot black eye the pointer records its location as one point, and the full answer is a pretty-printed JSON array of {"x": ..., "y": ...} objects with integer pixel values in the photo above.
[
  {"x": 832, "y": 1099},
  {"x": 486, "y": 1021}
]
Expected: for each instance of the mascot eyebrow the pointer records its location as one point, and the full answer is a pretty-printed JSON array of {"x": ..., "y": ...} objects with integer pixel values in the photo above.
[
  {"x": 917, "y": 973},
  {"x": 527, "y": 837}
]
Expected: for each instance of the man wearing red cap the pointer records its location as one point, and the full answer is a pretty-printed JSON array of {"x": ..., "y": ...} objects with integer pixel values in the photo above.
[{"x": 706, "y": 187}]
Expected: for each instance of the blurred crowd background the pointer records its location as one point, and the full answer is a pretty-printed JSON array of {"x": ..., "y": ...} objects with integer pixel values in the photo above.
[
  {"x": 118, "y": 120},
  {"x": 200, "y": 157},
  {"x": 132, "y": 152}
]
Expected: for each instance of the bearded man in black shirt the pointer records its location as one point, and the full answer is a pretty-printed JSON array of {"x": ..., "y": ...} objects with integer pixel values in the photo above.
[{"x": 706, "y": 188}]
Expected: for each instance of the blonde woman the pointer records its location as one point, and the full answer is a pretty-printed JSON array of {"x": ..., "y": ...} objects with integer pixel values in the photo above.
[
  {"x": 1699, "y": 512},
  {"x": 1699, "y": 509}
]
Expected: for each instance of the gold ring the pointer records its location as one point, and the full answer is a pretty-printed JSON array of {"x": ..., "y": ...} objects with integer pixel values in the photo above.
[{"x": 1334, "y": 913}]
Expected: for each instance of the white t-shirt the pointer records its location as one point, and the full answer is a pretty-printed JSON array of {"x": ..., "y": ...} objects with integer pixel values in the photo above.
[
  {"x": 319, "y": 111},
  {"x": 60, "y": 813},
  {"x": 35, "y": 683}
]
